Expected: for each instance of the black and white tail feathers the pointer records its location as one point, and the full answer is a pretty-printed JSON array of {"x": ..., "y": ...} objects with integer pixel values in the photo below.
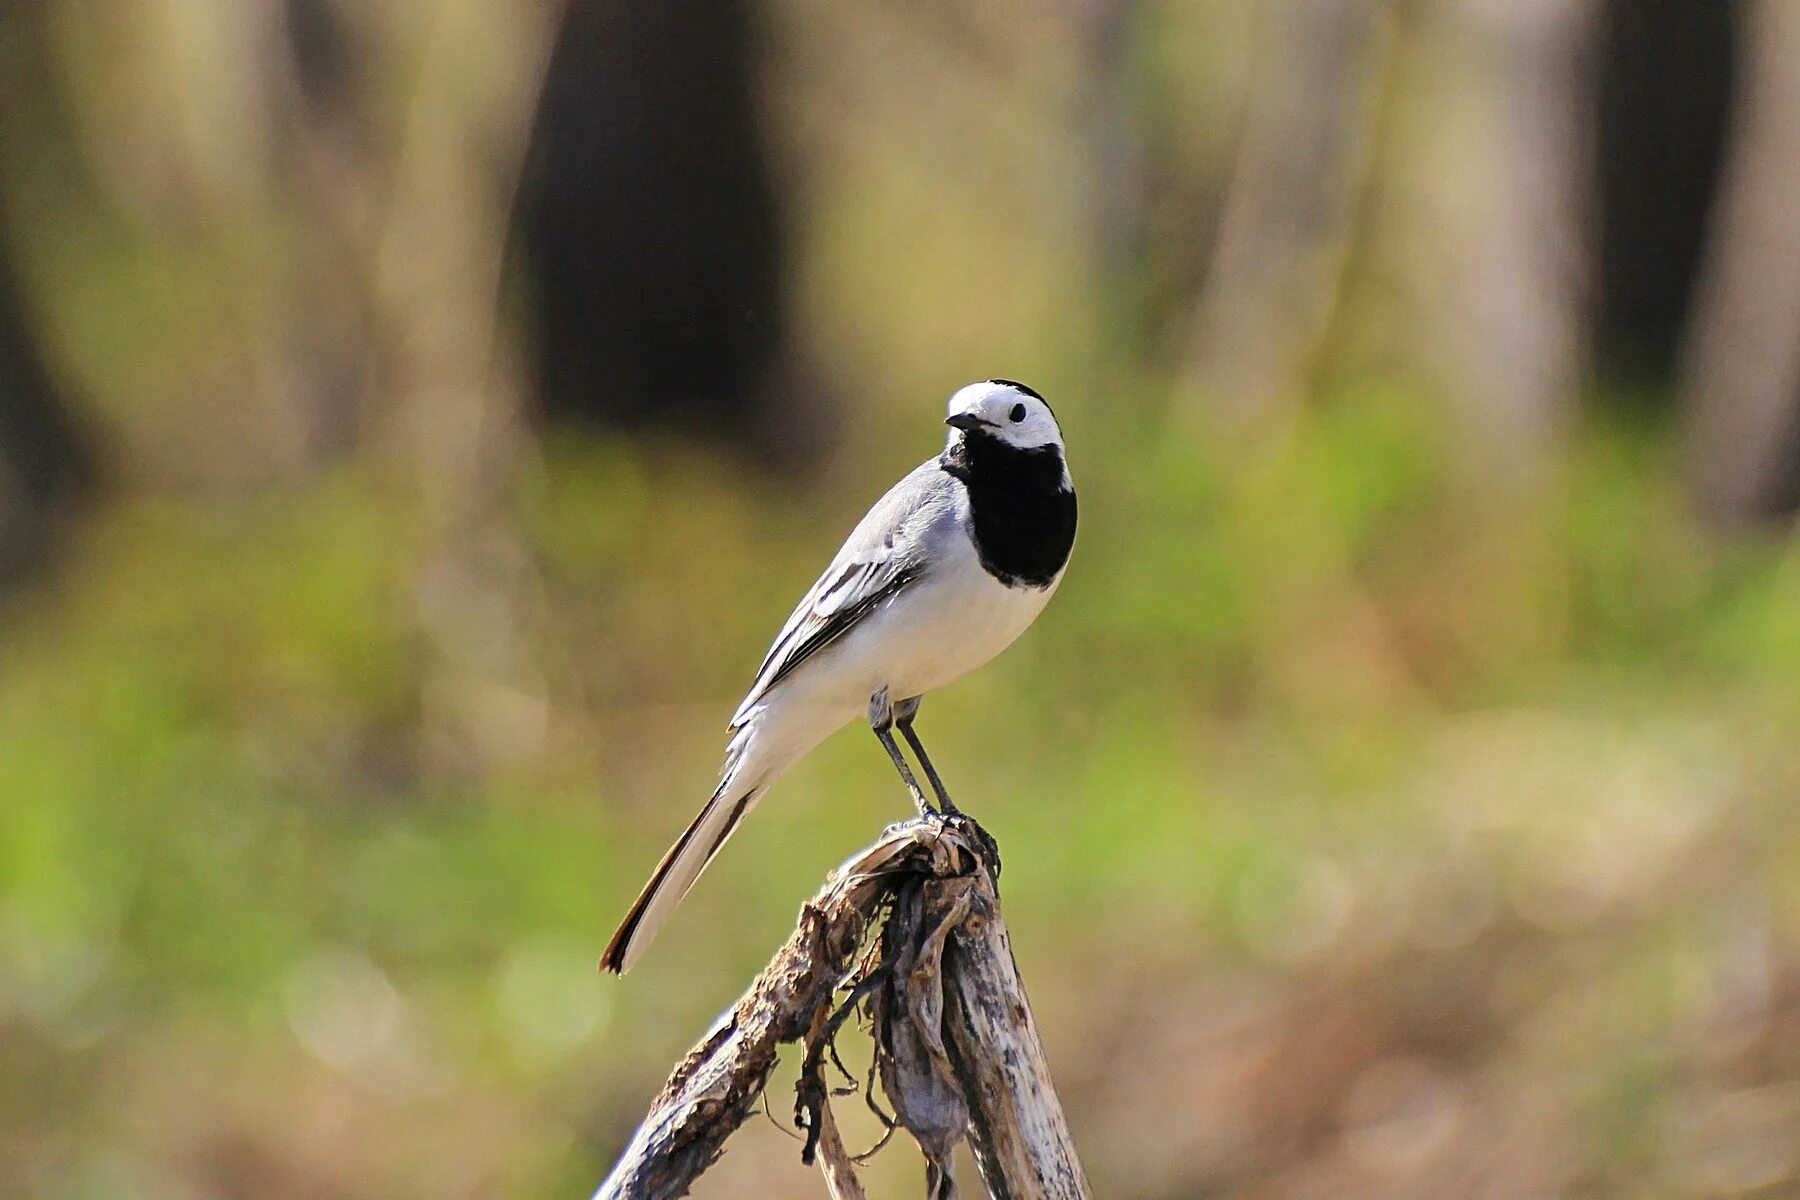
[{"x": 682, "y": 865}]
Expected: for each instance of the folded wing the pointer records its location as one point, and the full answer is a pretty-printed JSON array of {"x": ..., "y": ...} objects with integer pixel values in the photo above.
[{"x": 884, "y": 555}]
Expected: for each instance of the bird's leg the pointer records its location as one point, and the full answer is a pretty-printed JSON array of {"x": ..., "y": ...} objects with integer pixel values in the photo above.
[
  {"x": 881, "y": 720},
  {"x": 904, "y": 712}
]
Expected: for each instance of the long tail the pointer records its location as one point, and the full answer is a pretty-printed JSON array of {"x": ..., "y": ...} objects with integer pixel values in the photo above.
[{"x": 682, "y": 865}]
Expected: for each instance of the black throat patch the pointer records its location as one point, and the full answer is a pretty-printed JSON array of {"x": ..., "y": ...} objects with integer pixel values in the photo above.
[{"x": 1023, "y": 516}]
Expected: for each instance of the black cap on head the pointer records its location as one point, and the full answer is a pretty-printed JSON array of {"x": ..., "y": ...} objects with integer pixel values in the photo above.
[{"x": 1017, "y": 386}]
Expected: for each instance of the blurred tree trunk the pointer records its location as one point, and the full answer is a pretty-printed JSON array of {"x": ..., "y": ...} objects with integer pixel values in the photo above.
[
  {"x": 649, "y": 229},
  {"x": 1666, "y": 69},
  {"x": 1290, "y": 212},
  {"x": 1516, "y": 284},
  {"x": 1741, "y": 372},
  {"x": 1109, "y": 121},
  {"x": 1435, "y": 155},
  {"x": 456, "y": 427},
  {"x": 43, "y": 463}
]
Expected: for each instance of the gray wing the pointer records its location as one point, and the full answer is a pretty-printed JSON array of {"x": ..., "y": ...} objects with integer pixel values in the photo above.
[{"x": 885, "y": 553}]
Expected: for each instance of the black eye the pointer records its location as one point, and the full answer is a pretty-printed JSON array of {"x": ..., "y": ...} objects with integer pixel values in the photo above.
[{"x": 1018, "y": 413}]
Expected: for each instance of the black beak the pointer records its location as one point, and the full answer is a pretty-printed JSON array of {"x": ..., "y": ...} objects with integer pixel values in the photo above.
[{"x": 968, "y": 422}]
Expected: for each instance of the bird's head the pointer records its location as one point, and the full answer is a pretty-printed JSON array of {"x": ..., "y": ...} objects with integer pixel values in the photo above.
[{"x": 1006, "y": 411}]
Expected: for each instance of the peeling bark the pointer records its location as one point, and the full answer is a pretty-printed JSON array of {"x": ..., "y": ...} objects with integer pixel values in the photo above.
[{"x": 911, "y": 928}]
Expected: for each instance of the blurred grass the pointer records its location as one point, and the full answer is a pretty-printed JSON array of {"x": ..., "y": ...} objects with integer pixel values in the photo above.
[{"x": 1316, "y": 707}]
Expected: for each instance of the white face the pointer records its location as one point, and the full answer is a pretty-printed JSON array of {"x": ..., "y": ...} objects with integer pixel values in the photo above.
[{"x": 1004, "y": 412}]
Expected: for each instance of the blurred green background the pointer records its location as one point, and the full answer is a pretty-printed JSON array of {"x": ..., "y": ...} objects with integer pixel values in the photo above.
[{"x": 416, "y": 417}]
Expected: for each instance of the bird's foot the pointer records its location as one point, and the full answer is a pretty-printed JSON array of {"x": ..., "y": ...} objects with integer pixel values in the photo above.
[{"x": 971, "y": 832}]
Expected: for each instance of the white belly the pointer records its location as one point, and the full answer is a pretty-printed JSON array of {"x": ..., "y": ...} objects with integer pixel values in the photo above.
[{"x": 938, "y": 633}]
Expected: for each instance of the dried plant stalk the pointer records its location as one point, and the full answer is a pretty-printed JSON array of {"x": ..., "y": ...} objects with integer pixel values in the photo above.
[{"x": 911, "y": 927}]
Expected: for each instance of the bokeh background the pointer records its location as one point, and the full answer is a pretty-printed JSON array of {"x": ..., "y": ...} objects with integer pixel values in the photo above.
[{"x": 416, "y": 416}]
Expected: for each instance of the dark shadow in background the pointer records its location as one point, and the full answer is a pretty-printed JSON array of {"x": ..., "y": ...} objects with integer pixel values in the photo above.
[
  {"x": 47, "y": 462},
  {"x": 647, "y": 230},
  {"x": 44, "y": 462},
  {"x": 1666, "y": 73}
]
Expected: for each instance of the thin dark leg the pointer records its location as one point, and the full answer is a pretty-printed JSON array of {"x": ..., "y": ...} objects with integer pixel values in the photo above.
[
  {"x": 881, "y": 720},
  {"x": 906, "y": 775},
  {"x": 904, "y": 712}
]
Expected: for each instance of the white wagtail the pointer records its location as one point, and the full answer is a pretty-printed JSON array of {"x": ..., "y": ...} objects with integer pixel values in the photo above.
[{"x": 941, "y": 575}]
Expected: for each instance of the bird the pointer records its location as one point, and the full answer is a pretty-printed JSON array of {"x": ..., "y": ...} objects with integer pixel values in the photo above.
[{"x": 943, "y": 573}]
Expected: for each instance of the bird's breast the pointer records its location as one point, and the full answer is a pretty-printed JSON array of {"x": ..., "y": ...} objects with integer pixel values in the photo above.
[{"x": 1020, "y": 508}]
